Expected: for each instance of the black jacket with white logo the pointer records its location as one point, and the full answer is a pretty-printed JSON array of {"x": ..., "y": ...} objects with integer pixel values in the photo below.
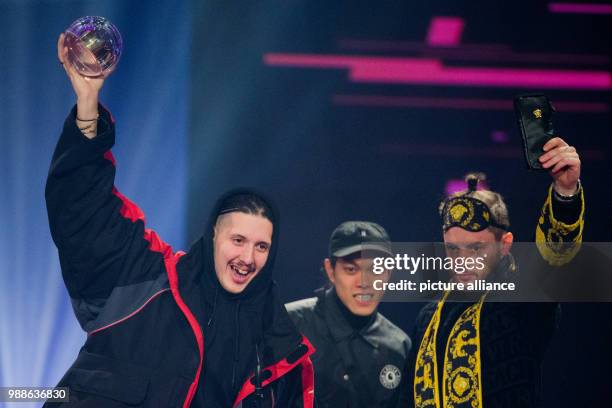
[{"x": 353, "y": 368}]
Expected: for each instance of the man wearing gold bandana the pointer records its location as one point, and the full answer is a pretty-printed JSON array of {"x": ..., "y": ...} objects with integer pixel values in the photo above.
[{"x": 472, "y": 353}]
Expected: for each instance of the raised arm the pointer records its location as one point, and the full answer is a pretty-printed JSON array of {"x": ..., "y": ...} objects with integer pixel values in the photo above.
[
  {"x": 110, "y": 263},
  {"x": 561, "y": 221}
]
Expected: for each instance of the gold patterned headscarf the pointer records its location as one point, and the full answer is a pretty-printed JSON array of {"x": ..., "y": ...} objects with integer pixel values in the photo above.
[{"x": 468, "y": 212}]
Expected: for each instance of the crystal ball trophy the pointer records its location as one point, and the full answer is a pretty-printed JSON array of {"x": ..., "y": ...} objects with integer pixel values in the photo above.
[{"x": 94, "y": 46}]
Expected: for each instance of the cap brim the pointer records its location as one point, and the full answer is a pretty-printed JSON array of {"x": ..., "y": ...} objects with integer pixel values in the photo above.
[{"x": 361, "y": 248}]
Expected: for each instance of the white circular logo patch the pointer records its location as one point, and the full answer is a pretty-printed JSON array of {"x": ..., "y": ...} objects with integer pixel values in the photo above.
[{"x": 390, "y": 376}]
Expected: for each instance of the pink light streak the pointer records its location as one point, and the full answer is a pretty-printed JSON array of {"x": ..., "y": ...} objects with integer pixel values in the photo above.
[
  {"x": 425, "y": 71},
  {"x": 457, "y": 103},
  {"x": 445, "y": 31},
  {"x": 580, "y": 8},
  {"x": 454, "y": 186},
  {"x": 457, "y": 185},
  {"x": 473, "y": 52}
]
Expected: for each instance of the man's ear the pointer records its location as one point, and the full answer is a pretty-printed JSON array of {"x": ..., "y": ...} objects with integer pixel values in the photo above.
[
  {"x": 329, "y": 270},
  {"x": 506, "y": 243}
]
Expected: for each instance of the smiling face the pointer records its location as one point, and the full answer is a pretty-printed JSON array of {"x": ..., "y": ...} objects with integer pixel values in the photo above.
[
  {"x": 483, "y": 244},
  {"x": 353, "y": 279},
  {"x": 241, "y": 247}
]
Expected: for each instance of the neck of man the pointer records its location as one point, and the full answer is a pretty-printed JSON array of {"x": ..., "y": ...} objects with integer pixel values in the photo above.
[{"x": 357, "y": 322}]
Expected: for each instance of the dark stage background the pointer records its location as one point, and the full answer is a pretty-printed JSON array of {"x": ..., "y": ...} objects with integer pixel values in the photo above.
[{"x": 337, "y": 111}]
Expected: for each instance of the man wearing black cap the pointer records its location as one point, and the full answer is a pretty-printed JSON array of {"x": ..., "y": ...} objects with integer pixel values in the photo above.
[{"x": 360, "y": 354}]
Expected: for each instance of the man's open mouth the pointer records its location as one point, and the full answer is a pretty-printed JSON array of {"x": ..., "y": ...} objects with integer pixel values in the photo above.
[
  {"x": 364, "y": 297},
  {"x": 240, "y": 274}
]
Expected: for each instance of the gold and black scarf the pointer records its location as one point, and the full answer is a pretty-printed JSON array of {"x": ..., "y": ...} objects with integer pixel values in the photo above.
[{"x": 461, "y": 374}]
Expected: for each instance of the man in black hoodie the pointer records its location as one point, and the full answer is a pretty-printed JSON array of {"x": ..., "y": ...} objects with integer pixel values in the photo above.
[{"x": 201, "y": 329}]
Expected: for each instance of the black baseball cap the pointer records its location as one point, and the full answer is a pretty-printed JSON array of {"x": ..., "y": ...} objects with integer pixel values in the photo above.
[{"x": 357, "y": 236}]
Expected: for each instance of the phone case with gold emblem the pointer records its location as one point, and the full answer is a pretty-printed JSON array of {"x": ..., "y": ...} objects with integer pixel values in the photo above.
[{"x": 534, "y": 113}]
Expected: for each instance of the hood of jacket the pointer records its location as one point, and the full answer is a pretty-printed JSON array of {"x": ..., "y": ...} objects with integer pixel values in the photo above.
[{"x": 234, "y": 323}]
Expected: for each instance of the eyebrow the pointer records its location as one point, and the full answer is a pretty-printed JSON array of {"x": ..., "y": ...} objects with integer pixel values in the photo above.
[
  {"x": 237, "y": 235},
  {"x": 471, "y": 244}
]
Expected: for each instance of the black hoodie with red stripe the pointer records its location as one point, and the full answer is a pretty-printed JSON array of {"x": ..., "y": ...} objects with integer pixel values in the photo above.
[{"x": 161, "y": 331}]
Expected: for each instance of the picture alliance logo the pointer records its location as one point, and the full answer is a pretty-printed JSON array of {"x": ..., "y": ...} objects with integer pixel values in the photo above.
[{"x": 404, "y": 262}]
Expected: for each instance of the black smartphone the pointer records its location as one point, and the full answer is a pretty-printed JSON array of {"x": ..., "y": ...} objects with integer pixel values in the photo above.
[{"x": 534, "y": 114}]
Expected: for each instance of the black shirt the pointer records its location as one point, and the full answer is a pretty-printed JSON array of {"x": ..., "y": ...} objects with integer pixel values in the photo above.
[{"x": 358, "y": 361}]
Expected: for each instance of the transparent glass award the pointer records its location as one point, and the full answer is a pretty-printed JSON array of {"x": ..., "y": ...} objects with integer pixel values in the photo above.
[{"x": 94, "y": 45}]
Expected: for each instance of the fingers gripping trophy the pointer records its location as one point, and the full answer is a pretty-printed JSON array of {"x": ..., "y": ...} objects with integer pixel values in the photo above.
[{"x": 89, "y": 51}]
